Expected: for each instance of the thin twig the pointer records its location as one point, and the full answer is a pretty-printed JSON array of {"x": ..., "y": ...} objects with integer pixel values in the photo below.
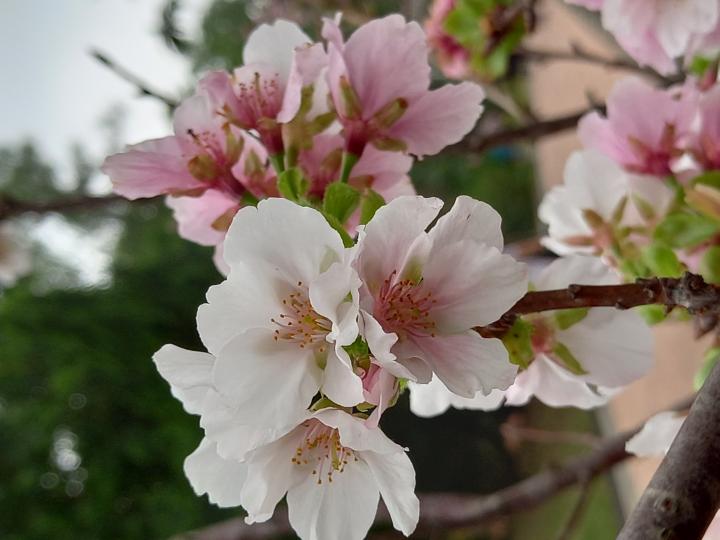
[
  {"x": 512, "y": 432},
  {"x": 578, "y": 54},
  {"x": 481, "y": 142},
  {"x": 577, "y": 511},
  {"x": 125, "y": 74},
  {"x": 440, "y": 511},
  {"x": 10, "y": 207}
]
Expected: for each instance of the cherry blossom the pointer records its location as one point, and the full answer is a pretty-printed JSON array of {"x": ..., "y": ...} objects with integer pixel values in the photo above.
[
  {"x": 332, "y": 465},
  {"x": 656, "y": 32},
  {"x": 272, "y": 358},
  {"x": 452, "y": 57},
  {"x": 646, "y": 128},
  {"x": 379, "y": 81},
  {"x": 707, "y": 140},
  {"x": 580, "y": 357},
  {"x": 423, "y": 292},
  {"x": 597, "y": 197},
  {"x": 333, "y": 468}
]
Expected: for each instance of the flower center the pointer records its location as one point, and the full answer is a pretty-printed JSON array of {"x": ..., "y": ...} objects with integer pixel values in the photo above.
[
  {"x": 405, "y": 307},
  {"x": 300, "y": 323},
  {"x": 321, "y": 449},
  {"x": 259, "y": 99}
]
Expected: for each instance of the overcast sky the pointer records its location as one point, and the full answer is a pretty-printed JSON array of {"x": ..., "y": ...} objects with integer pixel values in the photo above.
[{"x": 53, "y": 92}]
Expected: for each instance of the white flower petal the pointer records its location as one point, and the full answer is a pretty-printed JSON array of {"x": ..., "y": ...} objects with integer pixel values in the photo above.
[
  {"x": 270, "y": 382},
  {"x": 468, "y": 363},
  {"x": 471, "y": 285},
  {"x": 340, "y": 383},
  {"x": 395, "y": 476},
  {"x": 656, "y": 436},
  {"x": 469, "y": 219},
  {"x": 274, "y": 45},
  {"x": 342, "y": 509},
  {"x": 389, "y": 236},
  {"x": 433, "y": 399},
  {"x": 283, "y": 238},
  {"x": 575, "y": 269},
  {"x": 228, "y": 311},
  {"x": 380, "y": 344},
  {"x": 189, "y": 374},
  {"x": 220, "y": 478},
  {"x": 271, "y": 472},
  {"x": 356, "y": 433},
  {"x": 329, "y": 294}
]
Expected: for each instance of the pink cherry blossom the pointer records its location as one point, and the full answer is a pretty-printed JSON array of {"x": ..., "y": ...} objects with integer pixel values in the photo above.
[
  {"x": 198, "y": 157},
  {"x": 424, "y": 292},
  {"x": 707, "y": 141},
  {"x": 379, "y": 80},
  {"x": 452, "y": 57},
  {"x": 279, "y": 61},
  {"x": 656, "y": 32},
  {"x": 645, "y": 129}
]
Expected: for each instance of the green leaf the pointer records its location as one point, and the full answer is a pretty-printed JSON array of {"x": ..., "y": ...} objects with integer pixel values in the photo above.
[
  {"x": 335, "y": 224},
  {"x": 681, "y": 230},
  {"x": 711, "y": 178},
  {"x": 709, "y": 360},
  {"x": 568, "y": 360},
  {"x": 518, "y": 344},
  {"x": 292, "y": 184},
  {"x": 653, "y": 314},
  {"x": 565, "y": 318},
  {"x": 699, "y": 65},
  {"x": 340, "y": 201},
  {"x": 662, "y": 261},
  {"x": 371, "y": 203},
  {"x": 710, "y": 265}
]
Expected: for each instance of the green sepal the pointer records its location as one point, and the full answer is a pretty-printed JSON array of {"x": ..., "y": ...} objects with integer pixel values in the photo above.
[
  {"x": 340, "y": 201},
  {"x": 662, "y": 261},
  {"x": 711, "y": 178},
  {"x": 681, "y": 230},
  {"x": 292, "y": 184},
  {"x": 335, "y": 224},
  {"x": 709, "y": 360},
  {"x": 653, "y": 314},
  {"x": 565, "y": 318},
  {"x": 518, "y": 343},
  {"x": 710, "y": 265},
  {"x": 568, "y": 360},
  {"x": 372, "y": 201}
]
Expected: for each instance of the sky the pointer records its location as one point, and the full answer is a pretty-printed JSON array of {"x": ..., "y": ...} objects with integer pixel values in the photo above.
[{"x": 54, "y": 93}]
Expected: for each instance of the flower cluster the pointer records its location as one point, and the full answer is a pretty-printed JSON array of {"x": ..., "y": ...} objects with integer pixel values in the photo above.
[
  {"x": 309, "y": 342},
  {"x": 645, "y": 193},
  {"x": 296, "y": 117},
  {"x": 657, "y": 32}
]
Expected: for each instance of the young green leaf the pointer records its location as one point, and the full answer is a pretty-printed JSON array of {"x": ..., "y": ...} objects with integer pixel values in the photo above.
[{"x": 340, "y": 201}]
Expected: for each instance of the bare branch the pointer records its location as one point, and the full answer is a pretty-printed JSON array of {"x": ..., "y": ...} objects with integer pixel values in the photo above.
[
  {"x": 481, "y": 142},
  {"x": 684, "y": 494},
  {"x": 10, "y": 207},
  {"x": 142, "y": 87},
  {"x": 690, "y": 291}
]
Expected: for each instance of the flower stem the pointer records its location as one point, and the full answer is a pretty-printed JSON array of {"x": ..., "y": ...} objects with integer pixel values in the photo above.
[
  {"x": 348, "y": 162},
  {"x": 278, "y": 162}
]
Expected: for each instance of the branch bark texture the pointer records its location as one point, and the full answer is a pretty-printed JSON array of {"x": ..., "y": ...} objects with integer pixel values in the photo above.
[{"x": 684, "y": 494}]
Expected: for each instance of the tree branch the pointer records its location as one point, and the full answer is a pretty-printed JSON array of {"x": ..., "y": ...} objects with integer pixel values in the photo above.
[
  {"x": 481, "y": 142},
  {"x": 441, "y": 511},
  {"x": 142, "y": 87},
  {"x": 684, "y": 494},
  {"x": 10, "y": 207},
  {"x": 689, "y": 291}
]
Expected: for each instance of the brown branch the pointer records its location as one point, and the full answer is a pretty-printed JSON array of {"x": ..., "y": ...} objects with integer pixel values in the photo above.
[
  {"x": 10, "y": 207},
  {"x": 125, "y": 74},
  {"x": 441, "y": 511},
  {"x": 684, "y": 494},
  {"x": 579, "y": 54},
  {"x": 481, "y": 142},
  {"x": 690, "y": 291}
]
